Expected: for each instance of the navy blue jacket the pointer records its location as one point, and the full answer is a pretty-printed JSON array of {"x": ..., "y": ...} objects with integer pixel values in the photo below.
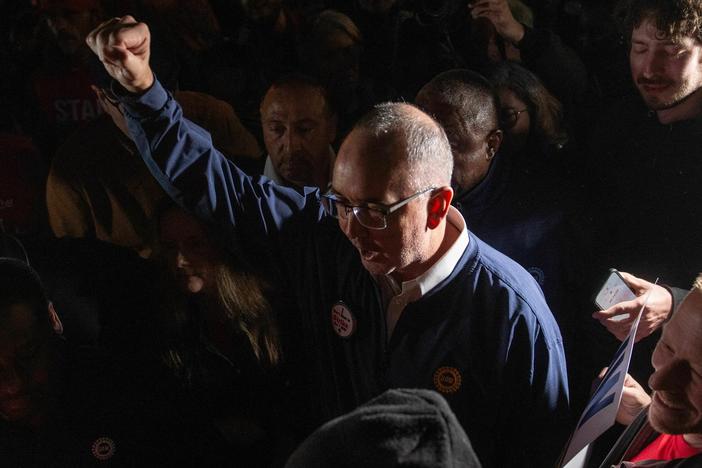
[
  {"x": 484, "y": 337},
  {"x": 510, "y": 212},
  {"x": 528, "y": 216}
]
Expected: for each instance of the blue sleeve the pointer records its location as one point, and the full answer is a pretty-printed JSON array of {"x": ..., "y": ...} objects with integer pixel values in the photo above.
[
  {"x": 537, "y": 345},
  {"x": 181, "y": 157}
]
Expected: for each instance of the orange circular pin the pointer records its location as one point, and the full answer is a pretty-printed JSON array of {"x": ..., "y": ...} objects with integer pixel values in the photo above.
[{"x": 447, "y": 379}]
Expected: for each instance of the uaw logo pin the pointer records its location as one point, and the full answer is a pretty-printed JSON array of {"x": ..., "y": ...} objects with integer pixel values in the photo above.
[
  {"x": 342, "y": 320},
  {"x": 103, "y": 448},
  {"x": 447, "y": 380}
]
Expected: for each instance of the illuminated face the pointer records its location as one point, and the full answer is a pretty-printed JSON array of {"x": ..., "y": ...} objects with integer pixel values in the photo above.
[
  {"x": 24, "y": 363},
  {"x": 363, "y": 173},
  {"x": 676, "y": 407},
  {"x": 297, "y": 131},
  {"x": 471, "y": 153},
  {"x": 188, "y": 251},
  {"x": 665, "y": 72}
]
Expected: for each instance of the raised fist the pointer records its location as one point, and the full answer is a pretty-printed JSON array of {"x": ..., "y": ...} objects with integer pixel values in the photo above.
[
  {"x": 499, "y": 13},
  {"x": 123, "y": 46}
]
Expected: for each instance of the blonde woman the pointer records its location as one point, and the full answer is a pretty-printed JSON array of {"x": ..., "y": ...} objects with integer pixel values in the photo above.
[{"x": 219, "y": 338}]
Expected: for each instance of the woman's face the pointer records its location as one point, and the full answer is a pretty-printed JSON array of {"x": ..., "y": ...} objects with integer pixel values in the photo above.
[
  {"x": 515, "y": 120},
  {"x": 189, "y": 253}
]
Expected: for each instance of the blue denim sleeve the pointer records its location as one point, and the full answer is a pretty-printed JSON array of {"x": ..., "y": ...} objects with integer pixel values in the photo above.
[{"x": 181, "y": 157}]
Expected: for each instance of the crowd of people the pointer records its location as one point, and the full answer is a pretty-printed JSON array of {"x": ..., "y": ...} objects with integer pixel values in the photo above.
[{"x": 347, "y": 232}]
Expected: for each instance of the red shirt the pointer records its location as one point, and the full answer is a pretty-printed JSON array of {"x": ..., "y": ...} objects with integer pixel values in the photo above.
[{"x": 667, "y": 447}]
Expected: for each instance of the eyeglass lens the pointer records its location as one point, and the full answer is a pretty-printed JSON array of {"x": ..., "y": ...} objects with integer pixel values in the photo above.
[
  {"x": 372, "y": 219},
  {"x": 509, "y": 117}
]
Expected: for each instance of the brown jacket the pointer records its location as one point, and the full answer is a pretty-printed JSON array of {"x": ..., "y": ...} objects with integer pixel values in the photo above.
[{"x": 98, "y": 185}]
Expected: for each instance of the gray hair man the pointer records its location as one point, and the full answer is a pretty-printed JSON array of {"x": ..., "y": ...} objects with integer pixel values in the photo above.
[{"x": 394, "y": 292}]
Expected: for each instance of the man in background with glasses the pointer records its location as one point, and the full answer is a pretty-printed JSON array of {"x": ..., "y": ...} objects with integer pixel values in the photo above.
[{"x": 395, "y": 292}]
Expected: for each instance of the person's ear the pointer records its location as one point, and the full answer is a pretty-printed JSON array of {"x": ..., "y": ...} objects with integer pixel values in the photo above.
[
  {"x": 493, "y": 140},
  {"x": 55, "y": 321},
  {"x": 438, "y": 206}
]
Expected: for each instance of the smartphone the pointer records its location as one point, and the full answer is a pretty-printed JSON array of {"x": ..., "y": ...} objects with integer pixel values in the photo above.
[{"x": 613, "y": 291}]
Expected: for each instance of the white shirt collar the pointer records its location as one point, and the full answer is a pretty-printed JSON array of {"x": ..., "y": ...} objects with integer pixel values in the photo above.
[
  {"x": 269, "y": 169},
  {"x": 440, "y": 270}
]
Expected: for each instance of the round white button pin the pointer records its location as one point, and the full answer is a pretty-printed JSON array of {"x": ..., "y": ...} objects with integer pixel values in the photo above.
[{"x": 342, "y": 320}]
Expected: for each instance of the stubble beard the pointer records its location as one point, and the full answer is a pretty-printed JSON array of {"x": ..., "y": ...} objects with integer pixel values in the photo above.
[
  {"x": 666, "y": 421},
  {"x": 681, "y": 94}
]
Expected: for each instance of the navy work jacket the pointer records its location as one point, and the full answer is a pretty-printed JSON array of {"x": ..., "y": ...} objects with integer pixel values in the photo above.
[{"x": 484, "y": 337}]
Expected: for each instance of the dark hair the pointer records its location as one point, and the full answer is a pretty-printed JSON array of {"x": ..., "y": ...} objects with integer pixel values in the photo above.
[
  {"x": 324, "y": 25},
  {"x": 329, "y": 22},
  {"x": 428, "y": 153},
  {"x": 544, "y": 109},
  {"x": 674, "y": 19},
  {"x": 241, "y": 293},
  {"x": 301, "y": 80},
  {"x": 471, "y": 95}
]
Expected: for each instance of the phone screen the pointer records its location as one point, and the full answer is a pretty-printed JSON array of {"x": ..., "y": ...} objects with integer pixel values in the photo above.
[{"x": 613, "y": 291}]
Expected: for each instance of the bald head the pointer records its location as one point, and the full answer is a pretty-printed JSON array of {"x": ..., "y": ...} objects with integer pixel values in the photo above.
[
  {"x": 469, "y": 94},
  {"x": 407, "y": 144},
  {"x": 466, "y": 105},
  {"x": 395, "y": 165}
]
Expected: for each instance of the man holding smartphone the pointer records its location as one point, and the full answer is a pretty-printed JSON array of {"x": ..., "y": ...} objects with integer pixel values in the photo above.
[
  {"x": 645, "y": 162},
  {"x": 645, "y": 155},
  {"x": 668, "y": 424},
  {"x": 617, "y": 315}
]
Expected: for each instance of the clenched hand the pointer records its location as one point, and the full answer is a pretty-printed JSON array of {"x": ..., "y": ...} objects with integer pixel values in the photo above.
[{"x": 123, "y": 46}]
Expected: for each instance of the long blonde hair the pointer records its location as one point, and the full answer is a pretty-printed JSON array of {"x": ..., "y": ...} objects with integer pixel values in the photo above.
[
  {"x": 239, "y": 290},
  {"x": 242, "y": 295}
]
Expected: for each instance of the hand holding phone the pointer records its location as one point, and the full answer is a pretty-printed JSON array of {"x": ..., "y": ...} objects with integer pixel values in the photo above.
[
  {"x": 613, "y": 291},
  {"x": 621, "y": 298}
]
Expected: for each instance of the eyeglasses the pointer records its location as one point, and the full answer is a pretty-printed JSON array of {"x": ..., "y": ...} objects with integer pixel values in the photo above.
[
  {"x": 509, "y": 117},
  {"x": 371, "y": 215}
]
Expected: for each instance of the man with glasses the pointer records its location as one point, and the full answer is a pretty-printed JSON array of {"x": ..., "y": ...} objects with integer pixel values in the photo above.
[{"x": 393, "y": 293}]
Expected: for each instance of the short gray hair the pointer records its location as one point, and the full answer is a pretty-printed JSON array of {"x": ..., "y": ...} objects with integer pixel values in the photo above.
[{"x": 427, "y": 154}]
